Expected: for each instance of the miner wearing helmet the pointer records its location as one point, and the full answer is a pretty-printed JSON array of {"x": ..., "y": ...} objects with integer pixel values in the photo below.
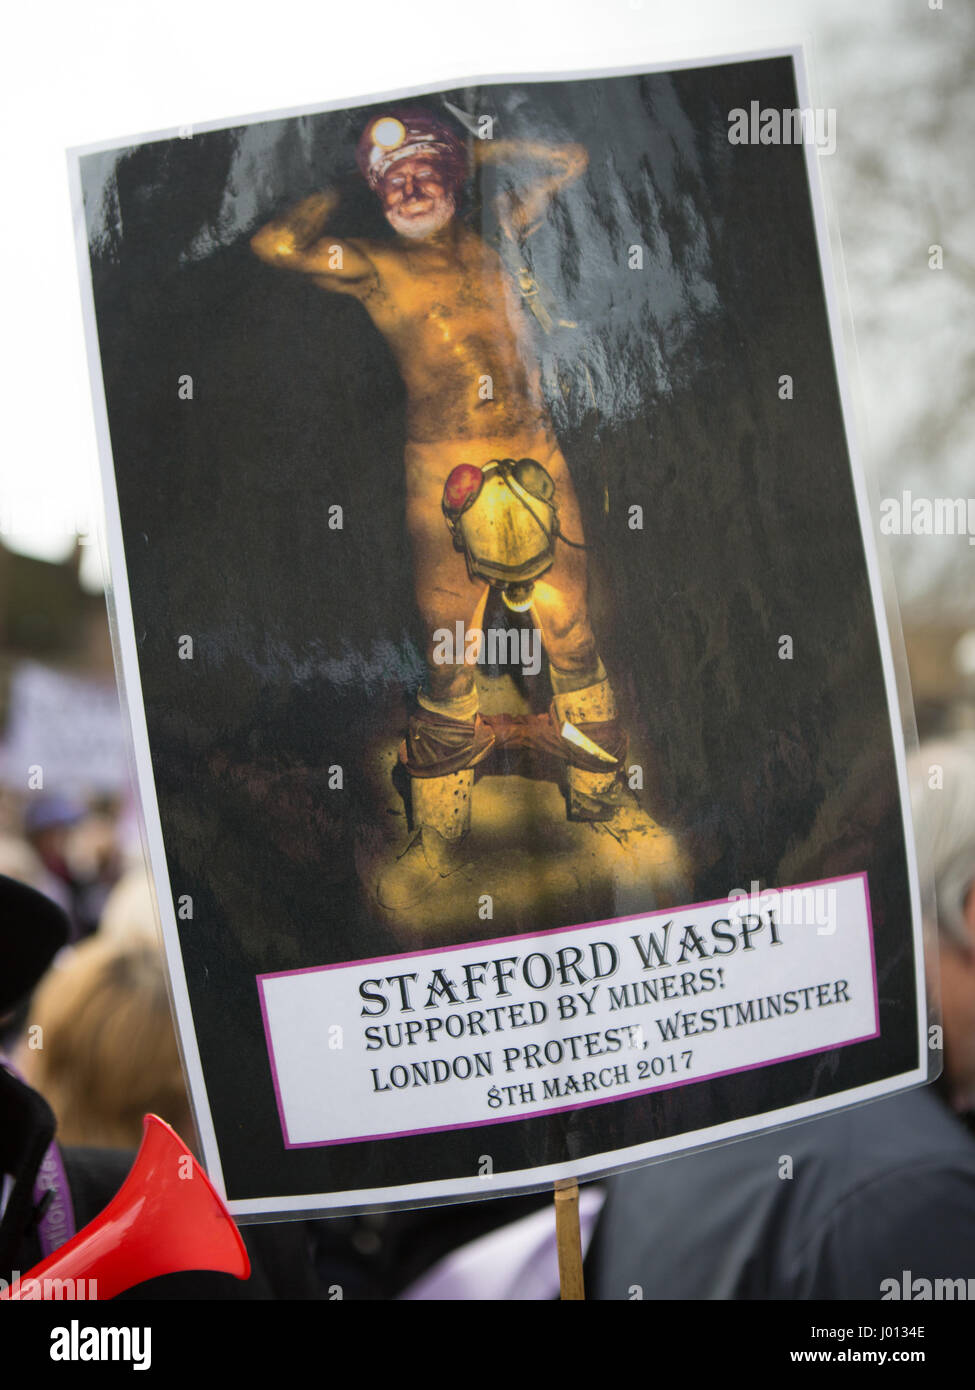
[{"x": 479, "y": 437}]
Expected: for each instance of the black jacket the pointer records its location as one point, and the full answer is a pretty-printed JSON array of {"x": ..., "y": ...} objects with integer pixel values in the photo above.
[{"x": 280, "y": 1253}]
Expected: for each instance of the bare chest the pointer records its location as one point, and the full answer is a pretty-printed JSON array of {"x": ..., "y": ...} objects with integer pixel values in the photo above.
[{"x": 425, "y": 297}]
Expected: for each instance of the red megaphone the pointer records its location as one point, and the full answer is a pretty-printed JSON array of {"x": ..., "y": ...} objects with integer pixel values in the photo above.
[{"x": 165, "y": 1217}]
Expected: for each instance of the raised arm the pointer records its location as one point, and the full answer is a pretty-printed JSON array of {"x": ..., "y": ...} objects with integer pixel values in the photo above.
[
  {"x": 296, "y": 242},
  {"x": 522, "y": 211}
]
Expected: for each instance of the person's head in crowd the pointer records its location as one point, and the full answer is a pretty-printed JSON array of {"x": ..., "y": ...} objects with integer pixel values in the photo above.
[
  {"x": 92, "y": 849},
  {"x": 19, "y": 861},
  {"x": 48, "y": 822},
  {"x": 129, "y": 912},
  {"x": 943, "y": 795},
  {"x": 107, "y": 1051}
]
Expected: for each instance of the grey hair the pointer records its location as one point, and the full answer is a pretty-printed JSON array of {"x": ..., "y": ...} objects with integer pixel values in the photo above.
[{"x": 942, "y": 776}]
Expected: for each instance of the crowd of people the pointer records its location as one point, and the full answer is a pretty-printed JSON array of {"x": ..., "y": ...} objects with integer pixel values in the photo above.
[{"x": 89, "y": 1047}]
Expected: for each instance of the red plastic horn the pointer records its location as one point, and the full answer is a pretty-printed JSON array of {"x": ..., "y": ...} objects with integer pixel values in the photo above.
[{"x": 165, "y": 1217}]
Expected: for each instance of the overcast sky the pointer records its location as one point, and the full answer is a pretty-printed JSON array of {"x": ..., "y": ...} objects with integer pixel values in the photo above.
[{"x": 898, "y": 73}]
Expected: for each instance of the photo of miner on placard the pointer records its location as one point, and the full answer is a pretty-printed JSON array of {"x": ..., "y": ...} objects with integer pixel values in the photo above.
[{"x": 494, "y": 524}]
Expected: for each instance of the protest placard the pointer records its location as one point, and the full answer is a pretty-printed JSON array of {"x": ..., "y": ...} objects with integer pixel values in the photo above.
[{"x": 502, "y": 630}]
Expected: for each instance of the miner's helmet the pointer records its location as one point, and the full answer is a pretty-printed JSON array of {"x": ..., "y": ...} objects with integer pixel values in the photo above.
[
  {"x": 502, "y": 516},
  {"x": 399, "y": 132}
]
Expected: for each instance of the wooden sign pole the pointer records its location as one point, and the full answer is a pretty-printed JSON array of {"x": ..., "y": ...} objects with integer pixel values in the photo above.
[{"x": 568, "y": 1239}]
